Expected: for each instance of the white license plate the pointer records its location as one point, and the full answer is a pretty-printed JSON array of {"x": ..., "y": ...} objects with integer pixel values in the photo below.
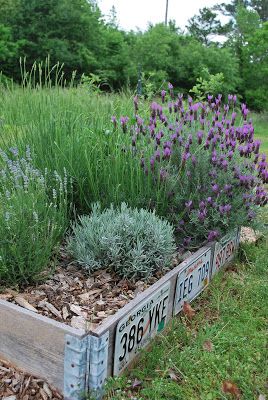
[
  {"x": 225, "y": 251},
  {"x": 136, "y": 329},
  {"x": 192, "y": 280}
]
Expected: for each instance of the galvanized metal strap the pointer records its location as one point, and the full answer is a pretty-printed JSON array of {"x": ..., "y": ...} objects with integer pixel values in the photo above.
[
  {"x": 75, "y": 367},
  {"x": 98, "y": 364}
]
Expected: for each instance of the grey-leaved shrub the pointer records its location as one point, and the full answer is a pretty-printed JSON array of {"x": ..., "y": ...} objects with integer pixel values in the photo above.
[{"x": 134, "y": 243}]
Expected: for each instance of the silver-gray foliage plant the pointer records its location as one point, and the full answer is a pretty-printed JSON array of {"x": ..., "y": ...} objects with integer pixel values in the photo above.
[{"x": 134, "y": 243}]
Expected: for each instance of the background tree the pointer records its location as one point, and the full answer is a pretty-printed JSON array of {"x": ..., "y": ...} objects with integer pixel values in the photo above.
[
  {"x": 204, "y": 25},
  {"x": 75, "y": 33}
]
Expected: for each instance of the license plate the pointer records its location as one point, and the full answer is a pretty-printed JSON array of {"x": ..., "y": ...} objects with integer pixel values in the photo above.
[
  {"x": 225, "y": 251},
  {"x": 192, "y": 280},
  {"x": 136, "y": 329}
]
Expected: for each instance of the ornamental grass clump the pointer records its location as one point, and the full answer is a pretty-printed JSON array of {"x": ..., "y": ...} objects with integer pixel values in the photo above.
[
  {"x": 134, "y": 243},
  {"x": 33, "y": 218},
  {"x": 205, "y": 163}
]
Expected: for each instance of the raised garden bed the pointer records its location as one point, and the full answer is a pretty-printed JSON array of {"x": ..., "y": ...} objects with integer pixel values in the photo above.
[{"x": 76, "y": 360}]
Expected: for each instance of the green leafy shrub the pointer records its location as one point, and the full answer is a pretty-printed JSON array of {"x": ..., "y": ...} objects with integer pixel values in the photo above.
[
  {"x": 33, "y": 218},
  {"x": 208, "y": 84},
  {"x": 134, "y": 243}
]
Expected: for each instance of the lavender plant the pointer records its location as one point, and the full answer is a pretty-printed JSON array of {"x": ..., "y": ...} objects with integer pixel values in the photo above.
[
  {"x": 205, "y": 163},
  {"x": 33, "y": 217},
  {"x": 135, "y": 243}
]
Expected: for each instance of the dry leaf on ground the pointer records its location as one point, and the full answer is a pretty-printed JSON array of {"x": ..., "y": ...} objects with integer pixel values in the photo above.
[
  {"x": 173, "y": 375},
  {"x": 208, "y": 345},
  {"x": 232, "y": 388},
  {"x": 188, "y": 310}
]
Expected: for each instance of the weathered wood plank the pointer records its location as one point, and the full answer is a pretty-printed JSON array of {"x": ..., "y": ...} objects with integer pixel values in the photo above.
[
  {"x": 111, "y": 322},
  {"x": 33, "y": 342}
]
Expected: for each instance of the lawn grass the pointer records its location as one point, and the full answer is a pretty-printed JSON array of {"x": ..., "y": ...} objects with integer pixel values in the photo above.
[{"x": 231, "y": 316}]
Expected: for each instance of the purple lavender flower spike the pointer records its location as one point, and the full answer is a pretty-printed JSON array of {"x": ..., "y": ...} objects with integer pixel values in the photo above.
[
  {"x": 200, "y": 136},
  {"x": 227, "y": 208},
  {"x": 166, "y": 153},
  {"x": 194, "y": 160},
  {"x": 124, "y": 121},
  {"x": 134, "y": 140},
  {"x": 171, "y": 91},
  {"x": 207, "y": 144},
  {"x": 173, "y": 137},
  {"x": 256, "y": 145},
  {"x": 185, "y": 157},
  {"x": 215, "y": 188},
  {"x": 202, "y": 215},
  {"x": 154, "y": 108},
  {"x": 210, "y": 201},
  {"x": 210, "y": 98},
  {"x": 157, "y": 155},
  {"x": 158, "y": 138},
  {"x": 224, "y": 165},
  {"x": 136, "y": 104},
  {"x": 222, "y": 209},
  {"x": 213, "y": 235},
  {"x": 114, "y": 121},
  {"x": 187, "y": 241},
  {"x": 163, "y": 174},
  {"x": 163, "y": 95},
  {"x": 202, "y": 205},
  {"x": 152, "y": 162},
  {"x": 189, "y": 205},
  {"x": 180, "y": 98},
  {"x": 251, "y": 215},
  {"x": 190, "y": 139}
]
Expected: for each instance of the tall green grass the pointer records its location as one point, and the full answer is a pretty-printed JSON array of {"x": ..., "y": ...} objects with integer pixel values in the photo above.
[{"x": 72, "y": 128}]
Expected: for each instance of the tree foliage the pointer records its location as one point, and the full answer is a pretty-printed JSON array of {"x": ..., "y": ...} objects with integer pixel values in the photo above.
[{"x": 74, "y": 33}]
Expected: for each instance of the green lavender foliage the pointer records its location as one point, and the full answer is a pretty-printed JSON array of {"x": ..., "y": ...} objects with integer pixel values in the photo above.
[
  {"x": 33, "y": 218},
  {"x": 72, "y": 129},
  {"x": 134, "y": 243}
]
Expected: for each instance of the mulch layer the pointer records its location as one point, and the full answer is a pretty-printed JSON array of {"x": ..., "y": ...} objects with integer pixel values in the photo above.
[
  {"x": 77, "y": 298},
  {"x": 18, "y": 385}
]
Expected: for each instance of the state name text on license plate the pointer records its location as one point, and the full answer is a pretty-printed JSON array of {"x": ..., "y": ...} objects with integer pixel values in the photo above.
[
  {"x": 224, "y": 251},
  {"x": 136, "y": 329},
  {"x": 192, "y": 280}
]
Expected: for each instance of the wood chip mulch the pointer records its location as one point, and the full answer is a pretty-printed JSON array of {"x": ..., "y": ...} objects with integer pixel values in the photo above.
[
  {"x": 77, "y": 298},
  {"x": 18, "y": 385}
]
